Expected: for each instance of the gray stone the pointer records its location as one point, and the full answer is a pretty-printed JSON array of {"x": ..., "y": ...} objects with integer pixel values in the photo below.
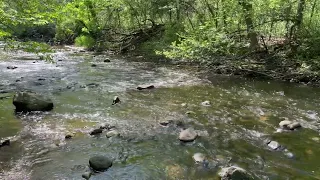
[
  {"x": 294, "y": 126},
  {"x": 289, "y": 154},
  {"x": 86, "y": 175},
  {"x": 284, "y": 124},
  {"x": 27, "y": 101},
  {"x": 274, "y": 145},
  {"x": 100, "y": 163},
  {"x": 234, "y": 173},
  {"x": 199, "y": 157},
  {"x": 188, "y": 135},
  {"x": 112, "y": 133},
  {"x": 105, "y": 126},
  {"x": 206, "y": 103},
  {"x": 184, "y": 104}
]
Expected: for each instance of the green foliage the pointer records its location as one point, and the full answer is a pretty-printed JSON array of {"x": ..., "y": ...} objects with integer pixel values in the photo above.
[
  {"x": 85, "y": 41},
  {"x": 202, "y": 43}
]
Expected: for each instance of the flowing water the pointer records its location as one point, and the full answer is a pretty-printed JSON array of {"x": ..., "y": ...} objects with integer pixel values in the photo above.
[{"x": 233, "y": 130}]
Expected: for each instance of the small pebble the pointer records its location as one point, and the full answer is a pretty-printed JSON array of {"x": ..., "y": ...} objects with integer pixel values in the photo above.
[
  {"x": 206, "y": 103},
  {"x": 86, "y": 175}
]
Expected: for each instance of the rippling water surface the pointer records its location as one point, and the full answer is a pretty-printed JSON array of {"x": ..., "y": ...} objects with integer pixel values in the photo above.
[{"x": 243, "y": 114}]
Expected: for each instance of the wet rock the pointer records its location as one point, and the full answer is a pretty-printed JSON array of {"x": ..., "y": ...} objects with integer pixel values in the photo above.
[
  {"x": 12, "y": 67},
  {"x": 82, "y": 86},
  {"x": 284, "y": 124},
  {"x": 289, "y": 154},
  {"x": 294, "y": 126},
  {"x": 147, "y": 87},
  {"x": 107, "y": 60},
  {"x": 69, "y": 136},
  {"x": 234, "y": 173},
  {"x": 184, "y": 105},
  {"x": 112, "y": 133},
  {"x": 18, "y": 80},
  {"x": 274, "y": 145},
  {"x": 96, "y": 131},
  {"x": 93, "y": 65},
  {"x": 166, "y": 123},
  {"x": 5, "y": 143},
  {"x": 190, "y": 112},
  {"x": 105, "y": 126},
  {"x": 28, "y": 101},
  {"x": 86, "y": 175},
  {"x": 116, "y": 100},
  {"x": 100, "y": 163},
  {"x": 93, "y": 85},
  {"x": 188, "y": 135},
  {"x": 82, "y": 51},
  {"x": 289, "y": 125},
  {"x": 206, "y": 103},
  {"x": 199, "y": 157}
]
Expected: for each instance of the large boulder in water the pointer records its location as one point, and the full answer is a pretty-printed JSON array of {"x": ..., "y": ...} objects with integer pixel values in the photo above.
[
  {"x": 100, "y": 163},
  {"x": 28, "y": 101}
]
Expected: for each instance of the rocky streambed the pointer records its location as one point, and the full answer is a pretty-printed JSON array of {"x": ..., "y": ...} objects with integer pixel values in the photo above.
[{"x": 114, "y": 118}]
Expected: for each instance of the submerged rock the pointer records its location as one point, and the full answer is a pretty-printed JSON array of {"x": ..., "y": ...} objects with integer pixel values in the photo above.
[
  {"x": 12, "y": 67},
  {"x": 92, "y": 85},
  {"x": 199, "y": 157},
  {"x": 112, "y": 133},
  {"x": 105, "y": 126},
  {"x": 116, "y": 100},
  {"x": 289, "y": 125},
  {"x": 174, "y": 172},
  {"x": 27, "y": 101},
  {"x": 206, "y": 103},
  {"x": 294, "y": 125},
  {"x": 86, "y": 175},
  {"x": 96, "y": 131},
  {"x": 274, "y": 145},
  {"x": 100, "y": 163},
  {"x": 188, "y": 135},
  {"x": 69, "y": 136},
  {"x": 285, "y": 123},
  {"x": 5, "y": 143},
  {"x": 234, "y": 173},
  {"x": 93, "y": 65},
  {"x": 184, "y": 105},
  {"x": 166, "y": 123},
  {"x": 147, "y": 87}
]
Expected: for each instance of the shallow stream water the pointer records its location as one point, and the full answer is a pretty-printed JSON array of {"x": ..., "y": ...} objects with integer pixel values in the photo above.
[{"x": 233, "y": 130}]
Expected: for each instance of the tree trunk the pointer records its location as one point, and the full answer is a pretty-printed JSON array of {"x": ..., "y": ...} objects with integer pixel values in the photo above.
[{"x": 252, "y": 35}]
